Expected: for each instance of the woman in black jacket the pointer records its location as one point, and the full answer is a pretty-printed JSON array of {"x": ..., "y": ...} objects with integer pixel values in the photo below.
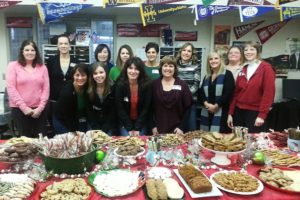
[
  {"x": 133, "y": 98},
  {"x": 70, "y": 109},
  {"x": 101, "y": 110},
  {"x": 60, "y": 69}
]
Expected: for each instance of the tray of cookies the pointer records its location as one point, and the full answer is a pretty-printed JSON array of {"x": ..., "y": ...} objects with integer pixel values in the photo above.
[
  {"x": 196, "y": 183},
  {"x": 282, "y": 179},
  {"x": 66, "y": 189},
  {"x": 237, "y": 182}
]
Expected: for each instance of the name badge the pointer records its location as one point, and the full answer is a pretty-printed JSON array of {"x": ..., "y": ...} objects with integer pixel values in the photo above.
[
  {"x": 176, "y": 87},
  {"x": 126, "y": 99},
  {"x": 242, "y": 74},
  {"x": 155, "y": 71},
  {"x": 72, "y": 64}
]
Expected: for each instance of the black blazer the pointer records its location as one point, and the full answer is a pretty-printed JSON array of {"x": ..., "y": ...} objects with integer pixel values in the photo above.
[
  {"x": 293, "y": 62},
  {"x": 102, "y": 115},
  {"x": 123, "y": 106},
  {"x": 66, "y": 107},
  {"x": 56, "y": 77}
]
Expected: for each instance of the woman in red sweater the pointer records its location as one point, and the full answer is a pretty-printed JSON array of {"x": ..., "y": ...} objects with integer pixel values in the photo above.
[{"x": 254, "y": 92}]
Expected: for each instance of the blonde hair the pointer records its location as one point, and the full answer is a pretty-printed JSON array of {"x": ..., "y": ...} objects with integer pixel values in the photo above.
[{"x": 221, "y": 67}]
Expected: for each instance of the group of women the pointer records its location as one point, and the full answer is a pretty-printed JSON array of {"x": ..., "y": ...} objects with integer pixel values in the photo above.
[{"x": 137, "y": 97}]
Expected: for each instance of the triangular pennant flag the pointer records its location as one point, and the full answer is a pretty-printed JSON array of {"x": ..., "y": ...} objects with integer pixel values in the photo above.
[
  {"x": 280, "y": 2},
  {"x": 267, "y": 32},
  {"x": 6, "y": 4},
  {"x": 161, "y": 1},
  {"x": 203, "y": 12},
  {"x": 289, "y": 12},
  {"x": 240, "y": 31},
  {"x": 53, "y": 11},
  {"x": 249, "y": 12},
  {"x": 153, "y": 12},
  {"x": 114, "y": 3},
  {"x": 207, "y": 2},
  {"x": 248, "y": 2}
]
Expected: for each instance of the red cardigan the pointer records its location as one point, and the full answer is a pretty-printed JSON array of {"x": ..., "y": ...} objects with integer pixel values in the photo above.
[{"x": 256, "y": 94}]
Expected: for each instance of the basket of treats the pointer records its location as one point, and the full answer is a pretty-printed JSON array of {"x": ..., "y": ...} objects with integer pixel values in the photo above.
[{"x": 70, "y": 153}]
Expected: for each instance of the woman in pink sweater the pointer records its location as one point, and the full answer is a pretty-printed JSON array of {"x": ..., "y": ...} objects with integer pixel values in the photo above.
[{"x": 28, "y": 90}]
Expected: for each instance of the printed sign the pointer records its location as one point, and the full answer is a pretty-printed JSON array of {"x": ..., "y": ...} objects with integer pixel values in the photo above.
[
  {"x": 203, "y": 12},
  {"x": 240, "y": 31}
]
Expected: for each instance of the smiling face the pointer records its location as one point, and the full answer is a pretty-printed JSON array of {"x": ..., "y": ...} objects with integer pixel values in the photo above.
[
  {"x": 103, "y": 55},
  {"x": 63, "y": 45},
  {"x": 99, "y": 75},
  {"x": 234, "y": 55},
  {"x": 29, "y": 53},
  {"x": 186, "y": 54},
  {"x": 168, "y": 70},
  {"x": 151, "y": 55},
  {"x": 132, "y": 72},
  {"x": 214, "y": 61},
  {"x": 124, "y": 55},
  {"x": 80, "y": 79},
  {"x": 250, "y": 53}
]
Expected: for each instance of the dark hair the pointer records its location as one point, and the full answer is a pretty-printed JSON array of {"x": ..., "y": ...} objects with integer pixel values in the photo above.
[
  {"x": 128, "y": 48},
  {"x": 81, "y": 68},
  {"x": 168, "y": 60},
  {"x": 143, "y": 78},
  {"x": 256, "y": 45},
  {"x": 63, "y": 36},
  {"x": 92, "y": 88},
  {"x": 152, "y": 45},
  {"x": 240, "y": 50},
  {"x": 99, "y": 49},
  {"x": 194, "y": 57},
  {"x": 36, "y": 60}
]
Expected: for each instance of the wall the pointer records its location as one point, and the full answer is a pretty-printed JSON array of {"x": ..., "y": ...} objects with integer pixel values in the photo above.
[{"x": 4, "y": 49}]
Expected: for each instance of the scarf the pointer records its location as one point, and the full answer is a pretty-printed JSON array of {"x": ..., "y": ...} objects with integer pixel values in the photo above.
[{"x": 216, "y": 121}]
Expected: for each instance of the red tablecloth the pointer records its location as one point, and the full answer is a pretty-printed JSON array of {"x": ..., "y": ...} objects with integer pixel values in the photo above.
[{"x": 266, "y": 194}]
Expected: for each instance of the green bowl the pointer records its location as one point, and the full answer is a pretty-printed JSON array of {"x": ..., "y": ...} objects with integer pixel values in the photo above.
[{"x": 76, "y": 165}]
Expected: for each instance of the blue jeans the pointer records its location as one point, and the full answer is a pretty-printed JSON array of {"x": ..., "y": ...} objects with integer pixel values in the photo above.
[
  {"x": 125, "y": 132},
  {"x": 191, "y": 124}
]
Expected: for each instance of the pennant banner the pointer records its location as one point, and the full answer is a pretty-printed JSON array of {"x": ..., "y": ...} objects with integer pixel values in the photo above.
[
  {"x": 207, "y": 2},
  {"x": 6, "y": 4},
  {"x": 240, "y": 31},
  {"x": 265, "y": 33},
  {"x": 153, "y": 12},
  {"x": 280, "y": 2},
  {"x": 289, "y": 12},
  {"x": 114, "y": 3},
  {"x": 248, "y": 2},
  {"x": 203, "y": 12},
  {"x": 161, "y": 1},
  {"x": 53, "y": 11},
  {"x": 249, "y": 12}
]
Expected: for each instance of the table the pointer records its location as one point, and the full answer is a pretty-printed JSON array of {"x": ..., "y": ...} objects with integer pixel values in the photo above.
[{"x": 266, "y": 194}]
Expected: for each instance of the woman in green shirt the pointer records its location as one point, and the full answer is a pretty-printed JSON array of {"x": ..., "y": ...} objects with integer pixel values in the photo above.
[
  {"x": 152, "y": 63},
  {"x": 125, "y": 52}
]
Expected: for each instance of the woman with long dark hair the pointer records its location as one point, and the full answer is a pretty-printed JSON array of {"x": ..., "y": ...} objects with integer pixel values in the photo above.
[
  {"x": 71, "y": 106},
  {"x": 101, "y": 110},
  {"x": 133, "y": 98},
  {"x": 28, "y": 90}
]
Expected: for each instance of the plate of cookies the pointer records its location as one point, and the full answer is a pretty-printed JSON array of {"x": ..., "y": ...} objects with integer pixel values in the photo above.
[
  {"x": 282, "y": 179},
  {"x": 196, "y": 183},
  {"x": 237, "y": 182},
  {"x": 67, "y": 189},
  {"x": 129, "y": 151}
]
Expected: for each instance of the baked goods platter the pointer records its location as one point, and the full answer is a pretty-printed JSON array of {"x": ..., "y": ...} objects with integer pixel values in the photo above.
[
  {"x": 209, "y": 189},
  {"x": 220, "y": 157},
  {"x": 237, "y": 182},
  {"x": 105, "y": 182},
  {"x": 282, "y": 179}
]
